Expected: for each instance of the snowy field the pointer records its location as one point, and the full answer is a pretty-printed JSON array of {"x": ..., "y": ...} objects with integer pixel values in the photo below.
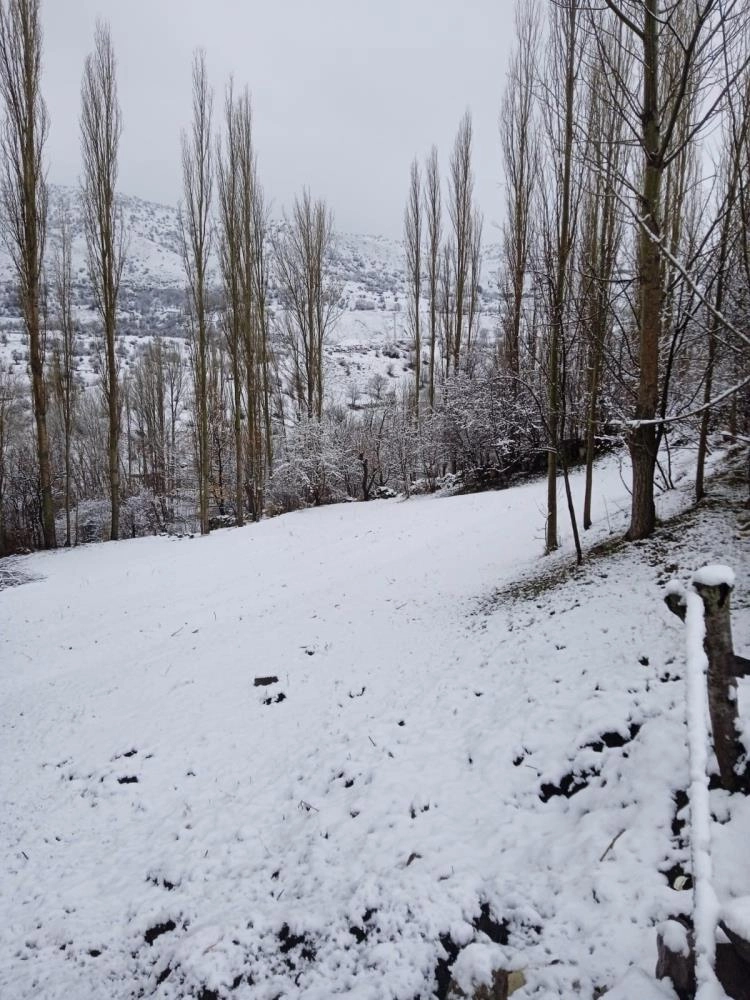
[{"x": 172, "y": 829}]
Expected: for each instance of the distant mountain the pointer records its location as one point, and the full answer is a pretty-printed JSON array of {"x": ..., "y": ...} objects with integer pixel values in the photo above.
[
  {"x": 370, "y": 269},
  {"x": 371, "y": 264},
  {"x": 370, "y": 338}
]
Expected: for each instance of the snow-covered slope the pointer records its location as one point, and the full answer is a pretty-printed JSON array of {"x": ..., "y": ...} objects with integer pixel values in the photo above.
[
  {"x": 370, "y": 338},
  {"x": 153, "y": 257},
  {"x": 369, "y": 268},
  {"x": 173, "y": 829}
]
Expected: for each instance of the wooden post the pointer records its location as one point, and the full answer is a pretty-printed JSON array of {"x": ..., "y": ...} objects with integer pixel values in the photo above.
[
  {"x": 675, "y": 944},
  {"x": 675, "y": 601},
  {"x": 714, "y": 588}
]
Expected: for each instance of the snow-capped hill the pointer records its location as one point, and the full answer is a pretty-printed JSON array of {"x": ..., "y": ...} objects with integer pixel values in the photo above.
[
  {"x": 153, "y": 258},
  {"x": 370, "y": 340},
  {"x": 370, "y": 269}
]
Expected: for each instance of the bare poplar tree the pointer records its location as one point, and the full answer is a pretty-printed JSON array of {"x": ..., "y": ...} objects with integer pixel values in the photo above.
[
  {"x": 24, "y": 205},
  {"x": 9, "y": 395},
  {"x": 101, "y": 127},
  {"x": 253, "y": 223},
  {"x": 446, "y": 299},
  {"x": 413, "y": 250},
  {"x": 461, "y": 192},
  {"x": 309, "y": 296},
  {"x": 475, "y": 277},
  {"x": 217, "y": 381},
  {"x": 433, "y": 222},
  {"x": 560, "y": 212},
  {"x": 195, "y": 219},
  {"x": 520, "y": 155},
  {"x": 602, "y": 236},
  {"x": 734, "y": 173},
  {"x": 63, "y": 366},
  {"x": 150, "y": 402},
  {"x": 261, "y": 273},
  {"x": 230, "y": 245},
  {"x": 174, "y": 380}
]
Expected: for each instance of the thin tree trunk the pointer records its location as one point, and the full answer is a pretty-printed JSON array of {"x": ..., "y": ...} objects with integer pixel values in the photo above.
[{"x": 561, "y": 277}]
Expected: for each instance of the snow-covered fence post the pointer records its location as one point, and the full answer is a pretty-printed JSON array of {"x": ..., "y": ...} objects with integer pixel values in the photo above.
[
  {"x": 714, "y": 585},
  {"x": 712, "y": 671},
  {"x": 705, "y": 903}
]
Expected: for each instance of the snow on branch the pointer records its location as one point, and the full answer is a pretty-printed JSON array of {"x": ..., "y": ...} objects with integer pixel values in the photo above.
[{"x": 675, "y": 418}]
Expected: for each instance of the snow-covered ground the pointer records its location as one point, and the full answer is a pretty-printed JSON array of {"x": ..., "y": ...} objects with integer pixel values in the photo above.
[{"x": 170, "y": 829}]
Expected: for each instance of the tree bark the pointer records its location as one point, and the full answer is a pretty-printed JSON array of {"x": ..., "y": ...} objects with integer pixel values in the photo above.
[{"x": 643, "y": 440}]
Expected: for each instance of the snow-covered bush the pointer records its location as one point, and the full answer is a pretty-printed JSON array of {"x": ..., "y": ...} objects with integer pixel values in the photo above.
[
  {"x": 318, "y": 466},
  {"x": 92, "y": 519},
  {"x": 142, "y": 513},
  {"x": 487, "y": 421}
]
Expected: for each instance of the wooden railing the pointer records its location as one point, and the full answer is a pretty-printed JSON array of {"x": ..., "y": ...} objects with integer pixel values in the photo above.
[{"x": 691, "y": 960}]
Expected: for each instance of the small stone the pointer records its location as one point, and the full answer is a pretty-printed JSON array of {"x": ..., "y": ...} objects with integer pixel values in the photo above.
[
  {"x": 515, "y": 981},
  {"x": 478, "y": 973}
]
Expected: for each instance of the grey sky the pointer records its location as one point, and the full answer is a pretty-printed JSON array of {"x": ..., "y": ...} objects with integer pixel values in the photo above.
[{"x": 345, "y": 92}]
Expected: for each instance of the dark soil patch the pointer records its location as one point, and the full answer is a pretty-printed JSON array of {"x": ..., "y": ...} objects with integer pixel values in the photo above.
[
  {"x": 485, "y": 923},
  {"x": 614, "y": 740},
  {"x": 569, "y": 785},
  {"x": 289, "y": 942},
  {"x": 157, "y": 930},
  {"x": 164, "y": 975},
  {"x": 497, "y": 931},
  {"x": 275, "y": 701},
  {"x": 361, "y": 933}
]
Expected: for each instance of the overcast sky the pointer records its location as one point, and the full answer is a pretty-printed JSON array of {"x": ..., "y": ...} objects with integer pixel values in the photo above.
[{"x": 345, "y": 92}]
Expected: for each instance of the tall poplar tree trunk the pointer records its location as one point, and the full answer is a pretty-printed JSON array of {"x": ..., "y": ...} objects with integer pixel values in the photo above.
[
  {"x": 101, "y": 127},
  {"x": 24, "y": 204},
  {"x": 197, "y": 170},
  {"x": 561, "y": 277},
  {"x": 643, "y": 439}
]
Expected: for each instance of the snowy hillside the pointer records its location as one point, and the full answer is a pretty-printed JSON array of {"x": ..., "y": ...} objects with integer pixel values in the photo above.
[
  {"x": 369, "y": 341},
  {"x": 319, "y": 756},
  {"x": 371, "y": 266},
  {"x": 153, "y": 258}
]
